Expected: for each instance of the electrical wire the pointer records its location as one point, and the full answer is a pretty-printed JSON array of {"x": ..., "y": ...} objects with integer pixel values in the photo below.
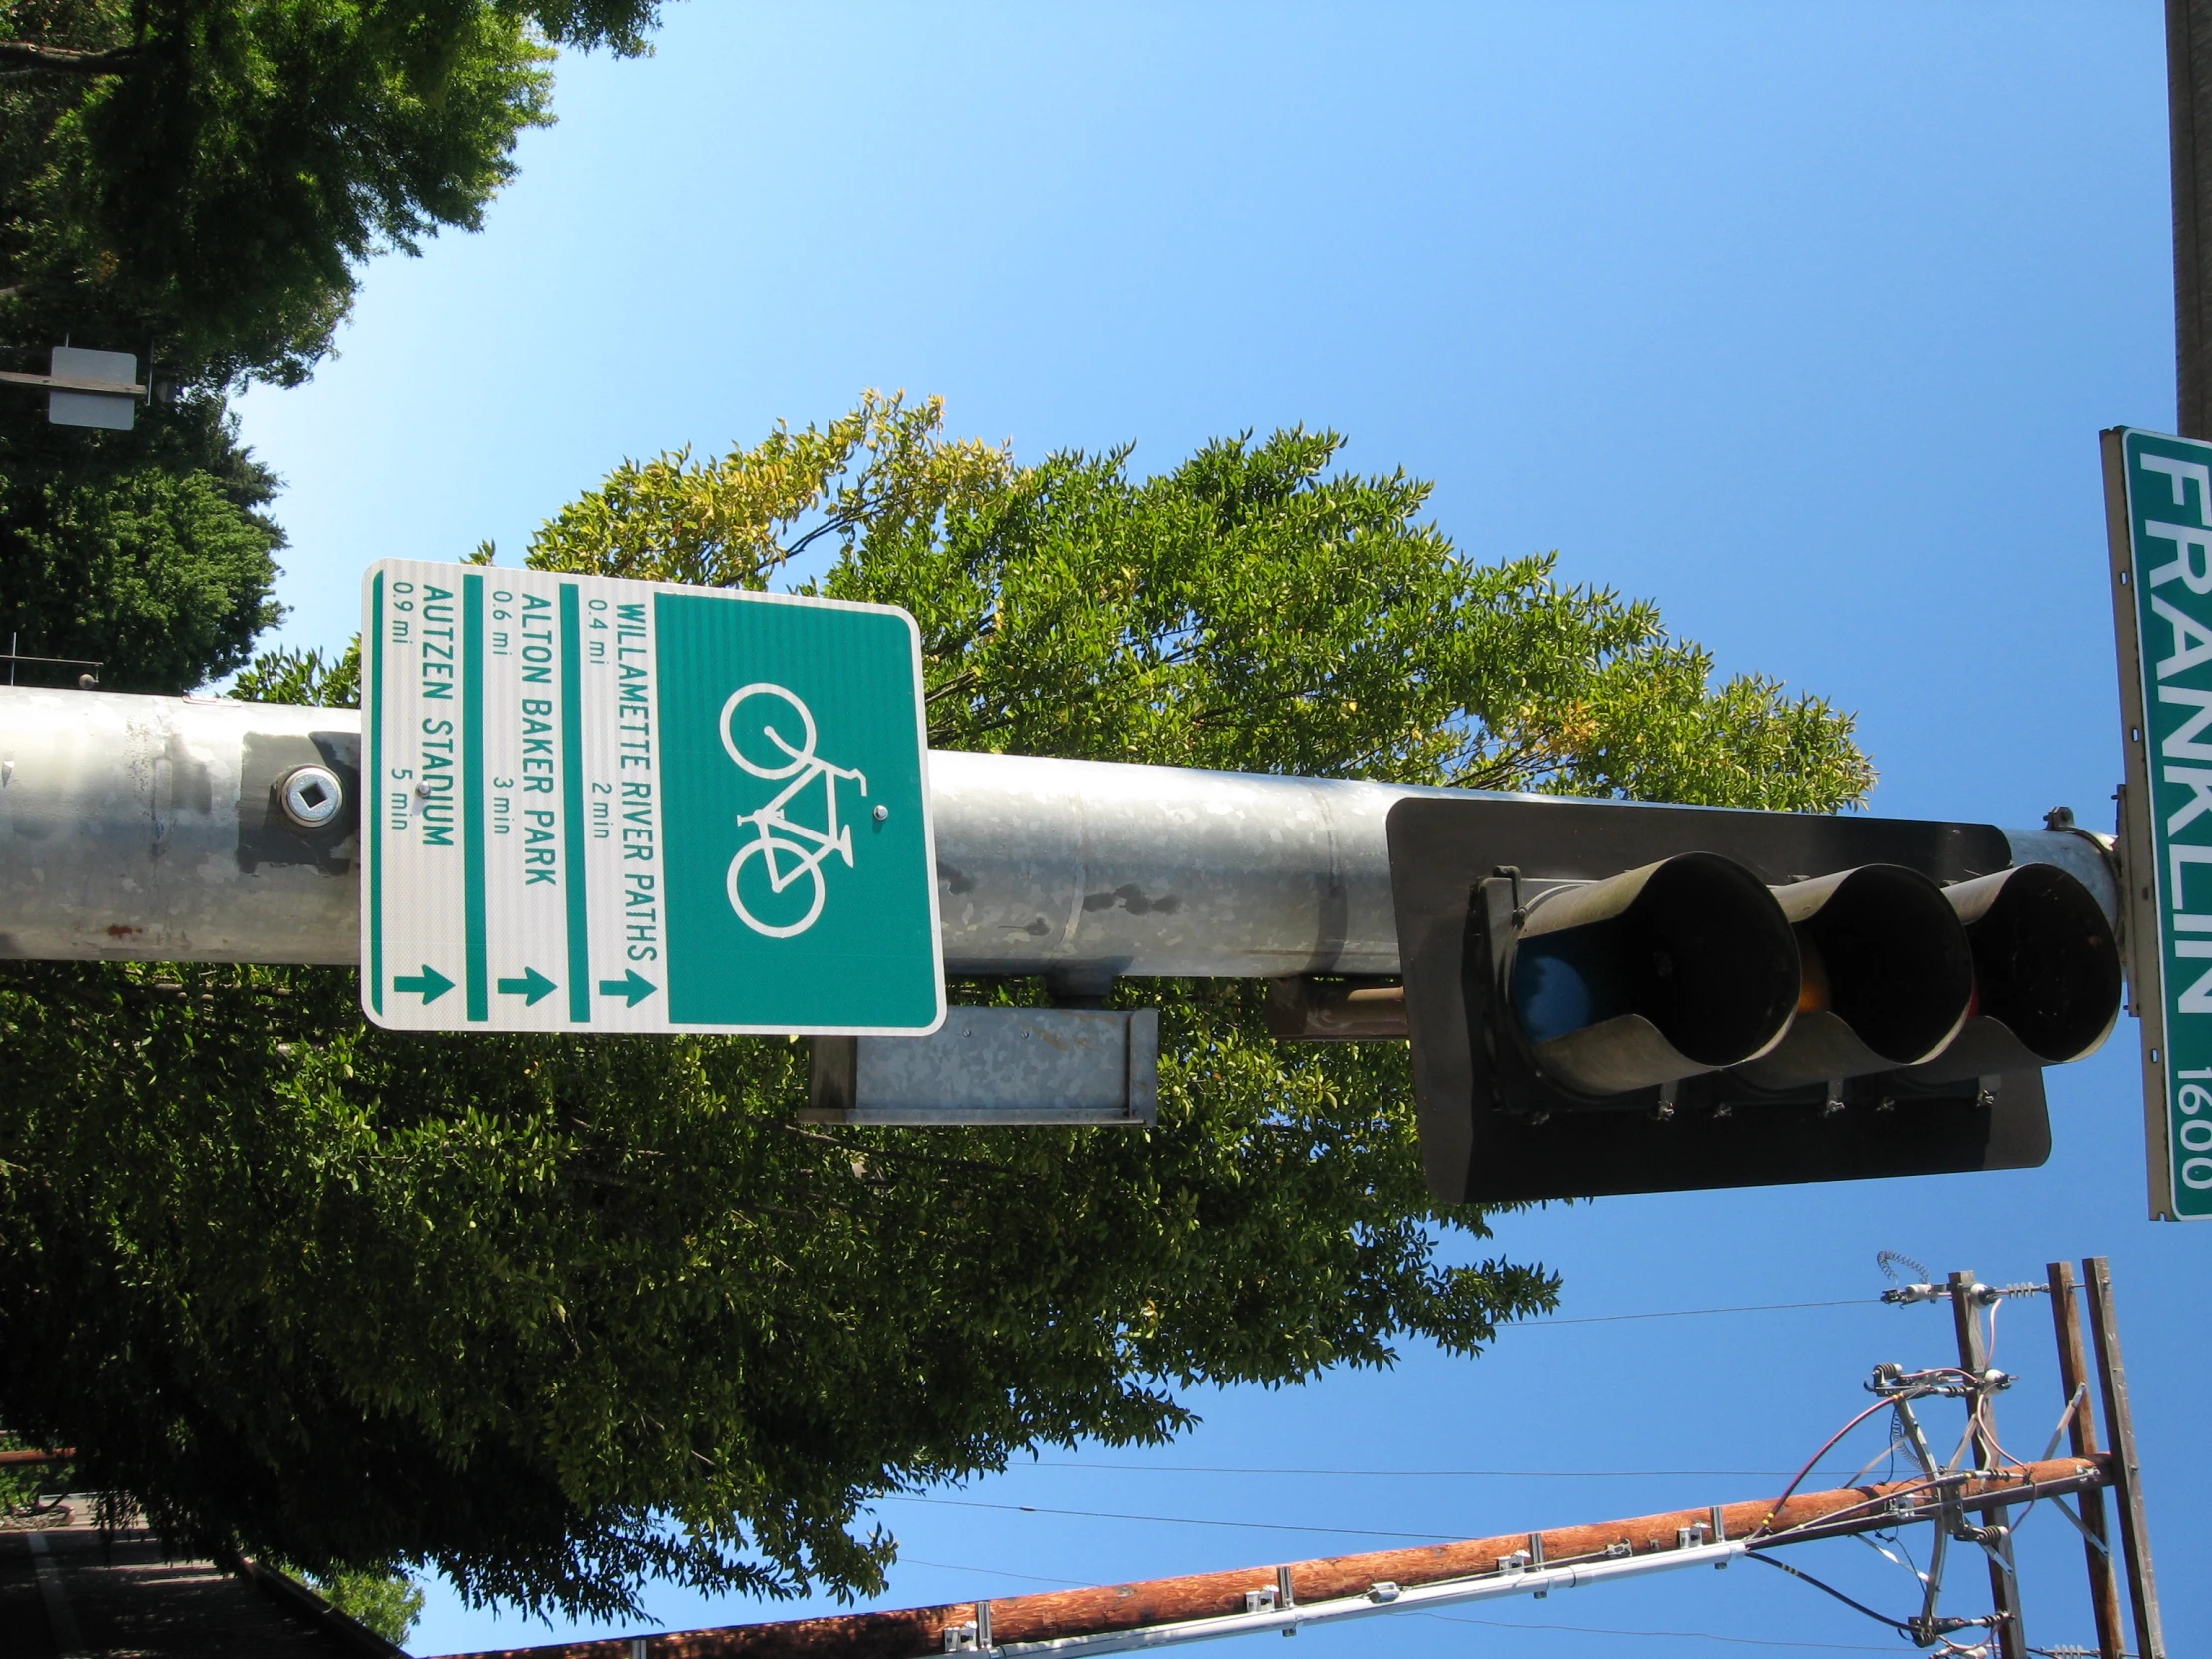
[
  {"x": 1412, "y": 1475},
  {"x": 991, "y": 1572},
  {"x": 1888, "y": 1401},
  {"x": 1975, "y": 1415},
  {"x": 1171, "y": 1521},
  {"x": 1897, "y": 1625},
  {"x": 1685, "y": 1635},
  {"x": 1888, "y": 1455},
  {"x": 1790, "y": 1534},
  {"x": 1904, "y": 1561},
  {"x": 1796, "y": 1479},
  {"x": 1692, "y": 1313}
]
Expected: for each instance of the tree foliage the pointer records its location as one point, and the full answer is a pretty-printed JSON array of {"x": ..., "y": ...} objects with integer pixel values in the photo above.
[
  {"x": 198, "y": 183},
  {"x": 149, "y": 551},
  {"x": 556, "y": 1315},
  {"x": 1245, "y": 610},
  {"x": 212, "y": 173},
  {"x": 386, "y": 1602}
]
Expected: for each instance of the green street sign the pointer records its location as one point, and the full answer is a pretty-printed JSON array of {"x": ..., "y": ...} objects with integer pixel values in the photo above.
[
  {"x": 629, "y": 806},
  {"x": 2158, "y": 507}
]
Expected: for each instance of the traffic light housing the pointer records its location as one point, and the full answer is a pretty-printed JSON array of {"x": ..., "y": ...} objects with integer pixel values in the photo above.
[{"x": 1608, "y": 997}]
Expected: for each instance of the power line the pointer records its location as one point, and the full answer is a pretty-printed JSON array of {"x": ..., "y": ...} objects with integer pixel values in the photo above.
[
  {"x": 1901, "y": 1628},
  {"x": 991, "y": 1572},
  {"x": 1692, "y": 1313},
  {"x": 1241, "y": 1526},
  {"x": 1172, "y": 1521},
  {"x": 1417, "y": 1474},
  {"x": 1684, "y": 1635},
  {"x": 1511, "y": 1474}
]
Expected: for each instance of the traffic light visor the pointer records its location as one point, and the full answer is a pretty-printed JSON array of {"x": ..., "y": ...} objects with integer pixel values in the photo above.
[
  {"x": 1683, "y": 967},
  {"x": 2047, "y": 973},
  {"x": 1888, "y": 977}
]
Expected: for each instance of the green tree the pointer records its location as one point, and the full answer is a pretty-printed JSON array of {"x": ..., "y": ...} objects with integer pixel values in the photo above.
[
  {"x": 1246, "y": 609},
  {"x": 385, "y": 1602},
  {"x": 211, "y": 173},
  {"x": 149, "y": 551},
  {"x": 199, "y": 183},
  {"x": 554, "y": 1315}
]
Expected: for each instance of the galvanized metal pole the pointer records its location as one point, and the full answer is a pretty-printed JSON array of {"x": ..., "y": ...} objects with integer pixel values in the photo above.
[
  {"x": 2189, "y": 110},
  {"x": 1973, "y": 1357},
  {"x": 152, "y": 828}
]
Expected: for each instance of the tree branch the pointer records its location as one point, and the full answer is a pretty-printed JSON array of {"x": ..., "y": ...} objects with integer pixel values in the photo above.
[
  {"x": 966, "y": 680},
  {"x": 67, "y": 60},
  {"x": 832, "y": 521}
]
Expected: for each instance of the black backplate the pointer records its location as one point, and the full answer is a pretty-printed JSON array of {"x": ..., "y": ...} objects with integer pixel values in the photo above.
[{"x": 1489, "y": 1133}]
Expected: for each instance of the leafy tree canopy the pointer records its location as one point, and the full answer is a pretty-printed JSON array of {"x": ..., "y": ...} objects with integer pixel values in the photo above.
[
  {"x": 196, "y": 182},
  {"x": 208, "y": 174},
  {"x": 1246, "y": 609},
  {"x": 149, "y": 551},
  {"x": 554, "y": 1315}
]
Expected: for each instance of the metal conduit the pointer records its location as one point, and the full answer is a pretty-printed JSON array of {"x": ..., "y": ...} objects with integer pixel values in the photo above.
[{"x": 151, "y": 828}]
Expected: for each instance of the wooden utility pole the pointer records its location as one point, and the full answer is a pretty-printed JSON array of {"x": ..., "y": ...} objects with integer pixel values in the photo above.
[
  {"x": 1166, "y": 1608},
  {"x": 2126, "y": 1468},
  {"x": 2074, "y": 1378},
  {"x": 1161, "y": 1612},
  {"x": 2189, "y": 108}
]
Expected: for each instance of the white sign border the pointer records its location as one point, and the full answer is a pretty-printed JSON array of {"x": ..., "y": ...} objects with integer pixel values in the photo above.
[{"x": 373, "y": 763}]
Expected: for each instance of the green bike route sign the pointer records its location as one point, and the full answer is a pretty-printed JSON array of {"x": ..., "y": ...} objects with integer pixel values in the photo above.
[
  {"x": 2159, "y": 505},
  {"x": 630, "y": 806}
]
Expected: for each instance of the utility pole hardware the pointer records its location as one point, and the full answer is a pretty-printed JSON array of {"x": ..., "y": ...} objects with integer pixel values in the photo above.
[{"x": 1945, "y": 1498}]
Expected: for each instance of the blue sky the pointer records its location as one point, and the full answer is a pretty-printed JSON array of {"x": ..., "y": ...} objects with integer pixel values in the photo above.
[{"x": 1801, "y": 320}]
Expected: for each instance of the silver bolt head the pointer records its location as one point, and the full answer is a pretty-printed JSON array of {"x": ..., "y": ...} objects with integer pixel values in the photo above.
[
  {"x": 313, "y": 795},
  {"x": 883, "y": 813}
]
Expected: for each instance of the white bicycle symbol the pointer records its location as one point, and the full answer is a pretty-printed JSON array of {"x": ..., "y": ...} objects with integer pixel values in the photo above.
[{"x": 790, "y": 852}]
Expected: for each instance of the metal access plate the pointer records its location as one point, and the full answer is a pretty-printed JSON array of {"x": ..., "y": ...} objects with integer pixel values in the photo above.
[
  {"x": 1476, "y": 1152},
  {"x": 999, "y": 1067}
]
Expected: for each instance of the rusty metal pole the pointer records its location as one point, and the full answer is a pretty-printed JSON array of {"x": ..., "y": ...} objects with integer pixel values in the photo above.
[
  {"x": 2073, "y": 1378},
  {"x": 1161, "y": 1612},
  {"x": 2189, "y": 112},
  {"x": 2126, "y": 1468},
  {"x": 2005, "y": 1578}
]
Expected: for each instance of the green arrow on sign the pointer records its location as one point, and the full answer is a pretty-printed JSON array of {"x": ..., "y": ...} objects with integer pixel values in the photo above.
[
  {"x": 529, "y": 988},
  {"x": 633, "y": 989},
  {"x": 431, "y": 982}
]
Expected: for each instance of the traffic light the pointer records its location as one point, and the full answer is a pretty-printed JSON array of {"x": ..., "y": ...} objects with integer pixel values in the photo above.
[
  {"x": 1678, "y": 968},
  {"x": 1606, "y": 997}
]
